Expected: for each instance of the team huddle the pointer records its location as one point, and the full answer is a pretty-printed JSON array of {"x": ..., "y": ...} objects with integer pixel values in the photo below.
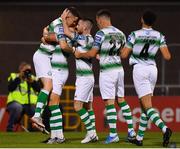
[{"x": 71, "y": 34}]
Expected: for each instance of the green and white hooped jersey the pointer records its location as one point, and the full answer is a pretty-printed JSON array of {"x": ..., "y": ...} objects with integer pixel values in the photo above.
[
  {"x": 83, "y": 43},
  {"x": 145, "y": 44},
  {"x": 109, "y": 41},
  {"x": 54, "y": 27},
  {"x": 59, "y": 57}
]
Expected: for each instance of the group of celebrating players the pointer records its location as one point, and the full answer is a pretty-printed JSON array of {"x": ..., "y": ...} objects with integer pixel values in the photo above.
[{"x": 71, "y": 34}]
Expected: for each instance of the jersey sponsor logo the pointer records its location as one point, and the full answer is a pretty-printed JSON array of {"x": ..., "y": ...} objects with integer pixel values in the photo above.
[
  {"x": 129, "y": 38},
  {"x": 97, "y": 39},
  {"x": 61, "y": 30}
]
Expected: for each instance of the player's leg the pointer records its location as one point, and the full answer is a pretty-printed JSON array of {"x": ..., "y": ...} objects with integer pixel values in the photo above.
[
  {"x": 43, "y": 70},
  {"x": 145, "y": 88},
  {"x": 56, "y": 123},
  {"x": 59, "y": 78},
  {"x": 143, "y": 122},
  {"x": 107, "y": 89},
  {"x": 90, "y": 110},
  {"x": 155, "y": 118},
  {"x": 89, "y": 107},
  {"x": 83, "y": 91},
  {"x": 142, "y": 128},
  {"x": 126, "y": 111},
  {"x": 43, "y": 96}
]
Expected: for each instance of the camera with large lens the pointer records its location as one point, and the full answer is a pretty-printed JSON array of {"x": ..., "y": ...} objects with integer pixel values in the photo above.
[{"x": 28, "y": 73}]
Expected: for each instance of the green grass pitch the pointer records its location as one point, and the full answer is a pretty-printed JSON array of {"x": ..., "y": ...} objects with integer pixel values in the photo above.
[{"x": 33, "y": 139}]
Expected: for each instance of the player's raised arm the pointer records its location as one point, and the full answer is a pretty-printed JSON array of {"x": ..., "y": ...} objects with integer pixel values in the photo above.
[
  {"x": 67, "y": 31},
  {"x": 62, "y": 40}
]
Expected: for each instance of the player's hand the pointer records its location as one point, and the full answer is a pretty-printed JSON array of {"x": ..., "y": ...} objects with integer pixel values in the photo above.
[
  {"x": 45, "y": 31},
  {"x": 64, "y": 14},
  {"x": 97, "y": 57},
  {"x": 43, "y": 40},
  {"x": 77, "y": 54}
]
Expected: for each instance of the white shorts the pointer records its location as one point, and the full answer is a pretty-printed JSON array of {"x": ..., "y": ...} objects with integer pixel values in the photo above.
[
  {"x": 111, "y": 83},
  {"x": 59, "y": 78},
  {"x": 42, "y": 65},
  {"x": 144, "y": 77},
  {"x": 84, "y": 89}
]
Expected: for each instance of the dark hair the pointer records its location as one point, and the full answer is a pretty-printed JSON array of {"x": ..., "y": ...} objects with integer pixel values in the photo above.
[
  {"x": 103, "y": 13},
  {"x": 74, "y": 11},
  {"x": 90, "y": 21},
  {"x": 149, "y": 17}
]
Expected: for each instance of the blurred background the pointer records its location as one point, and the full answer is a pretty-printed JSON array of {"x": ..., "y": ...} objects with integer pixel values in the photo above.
[{"x": 22, "y": 22}]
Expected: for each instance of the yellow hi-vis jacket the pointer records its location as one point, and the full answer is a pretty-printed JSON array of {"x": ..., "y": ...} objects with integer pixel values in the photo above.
[{"x": 20, "y": 94}]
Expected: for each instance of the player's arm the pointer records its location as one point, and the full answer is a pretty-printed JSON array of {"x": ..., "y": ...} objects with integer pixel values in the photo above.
[
  {"x": 164, "y": 49},
  {"x": 65, "y": 47},
  {"x": 165, "y": 53},
  {"x": 90, "y": 54},
  {"x": 95, "y": 49},
  {"x": 97, "y": 57},
  {"x": 67, "y": 31},
  {"x": 62, "y": 39},
  {"x": 47, "y": 36},
  {"x": 124, "y": 53}
]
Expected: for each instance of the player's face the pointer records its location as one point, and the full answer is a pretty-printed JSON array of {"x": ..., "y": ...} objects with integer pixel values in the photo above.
[
  {"x": 71, "y": 20},
  {"x": 80, "y": 27}
]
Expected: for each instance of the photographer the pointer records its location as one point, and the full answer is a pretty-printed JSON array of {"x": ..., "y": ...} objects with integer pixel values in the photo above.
[{"x": 23, "y": 89}]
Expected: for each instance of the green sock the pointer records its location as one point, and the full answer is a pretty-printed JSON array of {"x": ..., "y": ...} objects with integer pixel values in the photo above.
[
  {"x": 127, "y": 114},
  {"x": 41, "y": 101},
  {"x": 142, "y": 127},
  {"x": 154, "y": 117},
  {"x": 85, "y": 118},
  {"x": 111, "y": 118},
  {"x": 92, "y": 118},
  {"x": 56, "y": 121}
]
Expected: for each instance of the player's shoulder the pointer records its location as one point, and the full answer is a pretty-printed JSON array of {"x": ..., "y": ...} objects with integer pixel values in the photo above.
[
  {"x": 158, "y": 32},
  {"x": 57, "y": 21},
  {"x": 139, "y": 31},
  {"x": 110, "y": 29},
  {"x": 100, "y": 32}
]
